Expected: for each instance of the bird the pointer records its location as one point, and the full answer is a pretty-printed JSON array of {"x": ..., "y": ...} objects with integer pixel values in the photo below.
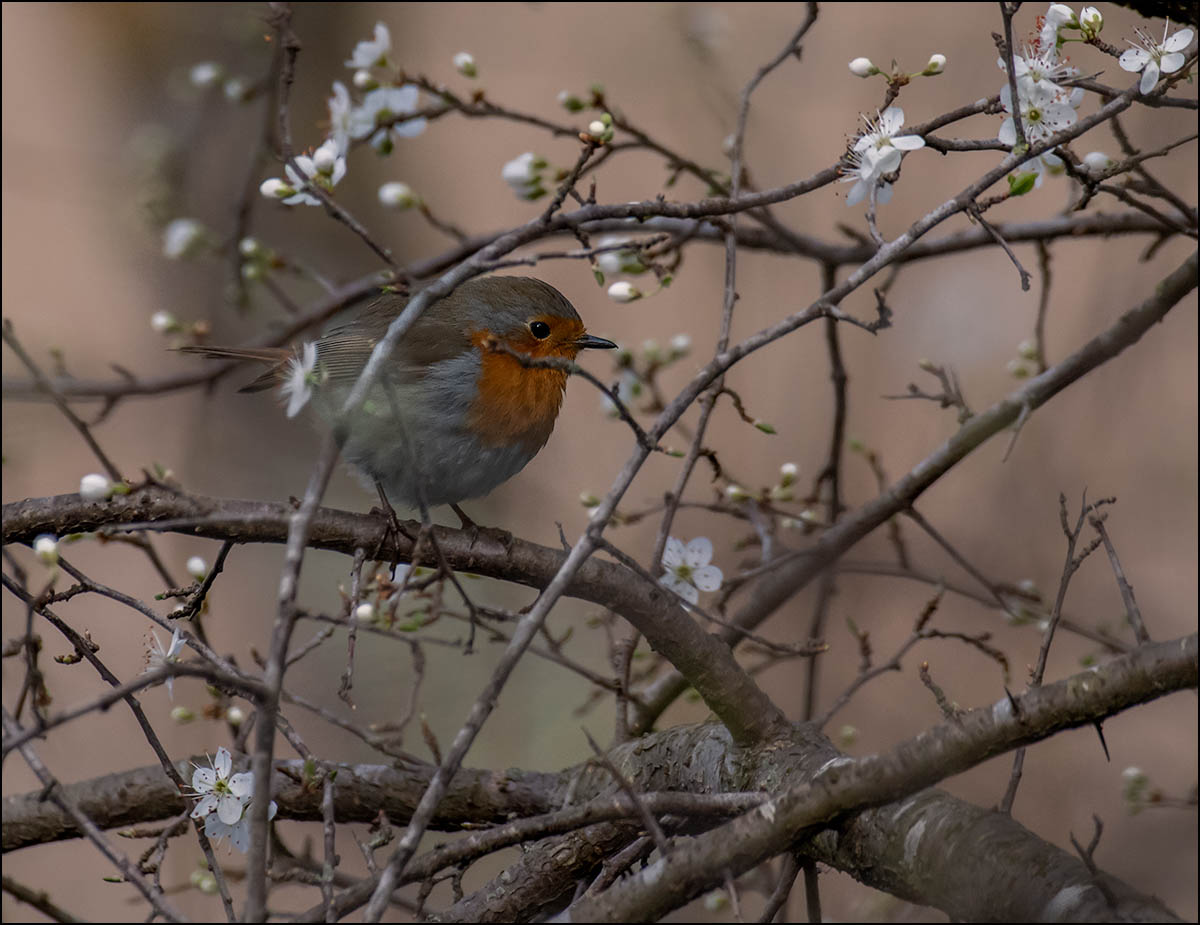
[{"x": 458, "y": 409}]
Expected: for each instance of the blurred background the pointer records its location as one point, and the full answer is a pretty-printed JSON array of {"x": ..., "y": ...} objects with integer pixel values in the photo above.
[{"x": 106, "y": 139}]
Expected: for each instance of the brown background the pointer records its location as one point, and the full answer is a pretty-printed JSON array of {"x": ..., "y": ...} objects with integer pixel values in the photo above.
[{"x": 86, "y": 86}]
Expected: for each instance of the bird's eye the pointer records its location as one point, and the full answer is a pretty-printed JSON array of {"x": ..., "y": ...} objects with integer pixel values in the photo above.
[{"x": 540, "y": 330}]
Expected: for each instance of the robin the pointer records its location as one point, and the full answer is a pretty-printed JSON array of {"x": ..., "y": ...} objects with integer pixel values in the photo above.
[{"x": 454, "y": 413}]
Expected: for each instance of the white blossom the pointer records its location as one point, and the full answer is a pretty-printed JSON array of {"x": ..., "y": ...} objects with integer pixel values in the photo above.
[
  {"x": 1043, "y": 112},
  {"x": 372, "y": 52},
  {"x": 197, "y": 568},
  {"x": 235, "y": 715},
  {"x": 881, "y": 132},
  {"x": 95, "y": 487},
  {"x": 381, "y": 106},
  {"x": 221, "y": 794},
  {"x": 1156, "y": 58},
  {"x": 687, "y": 568},
  {"x": 868, "y": 167}
]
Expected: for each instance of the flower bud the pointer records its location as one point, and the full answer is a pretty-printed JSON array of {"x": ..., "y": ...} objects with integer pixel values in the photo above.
[
  {"x": 927, "y": 365},
  {"x": 736, "y": 493},
  {"x": 324, "y": 158},
  {"x": 45, "y": 547},
  {"x": 95, "y": 487},
  {"x": 681, "y": 346},
  {"x": 862, "y": 67},
  {"x": 587, "y": 499},
  {"x": 1097, "y": 162},
  {"x": 937, "y": 64},
  {"x": 163, "y": 323},
  {"x": 364, "y": 612},
  {"x": 236, "y": 90},
  {"x": 182, "y": 237},
  {"x": 623, "y": 292},
  {"x": 235, "y": 716},
  {"x": 397, "y": 195},
  {"x": 597, "y": 128},
  {"x": 1017, "y": 369},
  {"x": 1090, "y": 21},
  {"x": 364, "y": 81},
  {"x": 787, "y": 474},
  {"x": 182, "y": 715},
  {"x": 275, "y": 188},
  {"x": 464, "y": 63},
  {"x": 1027, "y": 349},
  {"x": 250, "y": 247},
  {"x": 568, "y": 101},
  {"x": 197, "y": 568},
  {"x": 204, "y": 74}
]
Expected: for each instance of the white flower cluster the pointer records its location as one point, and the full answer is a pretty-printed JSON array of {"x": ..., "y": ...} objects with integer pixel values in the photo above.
[
  {"x": 385, "y": 113},
  {"x": 224, "y": 799},
  {"x": 1043, "y": 104}
]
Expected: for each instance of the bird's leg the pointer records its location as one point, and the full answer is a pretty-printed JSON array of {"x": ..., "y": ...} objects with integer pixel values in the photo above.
[
  {"x": 392, "y": 530},
  {"x": 501, "y": 536}
]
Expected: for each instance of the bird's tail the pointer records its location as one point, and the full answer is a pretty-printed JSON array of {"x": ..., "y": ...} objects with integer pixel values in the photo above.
[{"x": 277, "y": 357}]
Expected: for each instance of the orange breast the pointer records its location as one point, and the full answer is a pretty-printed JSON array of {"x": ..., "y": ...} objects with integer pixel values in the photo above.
[{"x": 515, "y": 404}]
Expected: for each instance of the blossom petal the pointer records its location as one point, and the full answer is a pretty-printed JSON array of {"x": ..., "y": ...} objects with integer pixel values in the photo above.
[
  {"x": 409, "y": 129},
  {"x": 203, "y": 779},
  {"x": 207, "y": 804},
  {"x": 908, "y": 142},
  {"x": 223, "y": 763},
  {"x": 239, "y": 836},
  {"x": 708, "y": 578},
  {"x": 1134, "y": 59},
  {"x": 1169, "y": 64},
  {"x": 699, "y": 552},
  {"x": 242, "y": 785},
  {"x": 1178, "y": 42},
  {"x": 1149, "y": 78},
  {"x": 672, "y": 554},
  {"x": 1008, "y": 132},
  {"x": 890, "y": 120},
  {"x": 684, "y": 589},
  {"x": 229, "y": 809}
]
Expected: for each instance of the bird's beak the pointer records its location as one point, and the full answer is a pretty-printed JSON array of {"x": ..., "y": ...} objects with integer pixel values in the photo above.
[{"x": 596, "y": 343}]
